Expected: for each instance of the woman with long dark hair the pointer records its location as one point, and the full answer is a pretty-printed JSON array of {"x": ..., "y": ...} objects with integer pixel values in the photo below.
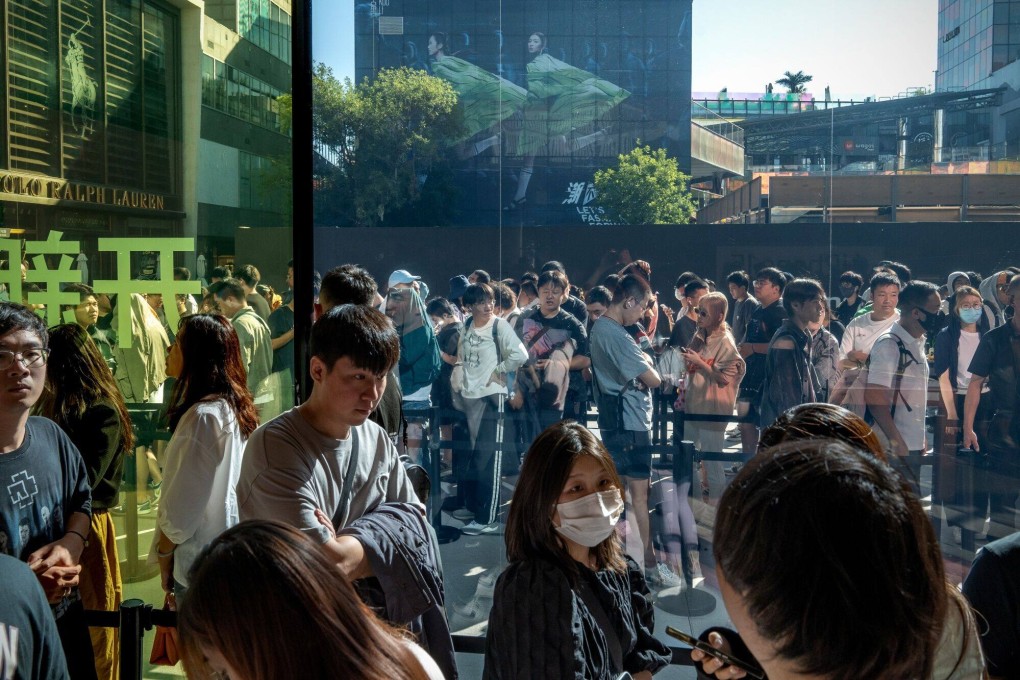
[
  {"x": 830, "y": 568},
  {"x": 265, "y": 603},
  {"x": 81, "y": 396},
  {"x": 211, "y": 414},
  {"x": 570, "y": 604}
]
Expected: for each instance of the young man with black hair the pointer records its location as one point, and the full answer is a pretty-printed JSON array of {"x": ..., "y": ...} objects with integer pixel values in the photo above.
[
  {"x": 506, "y": 303},
  {"x": 45, "y": 500},
  {"x": 325, "y": 469},
  {"x": 218, "y": 274},
  {"x": 686, "y": 324},
  {"x": 252, "y": 333},
  {"x": 570, "y": 303},
  {"x": 349, "y": 284},
  {"x": 850, "y": 284},
  {"x": 597, "y": 300},
  {"x": 897, "y": 390},
  {"x": 762, "y": 324},
  {"x": 248, "y": 276},
  {"x": 623, "y": 379},
  {"x": 862, "y": 332},
  {"x": 744, "y": 304},
  {"x": 790, "y": 377},
  {"x": 557, "y": 344},
  {"x": 296, "y": 464},
  {"x": 479, "y": 276},
  {"x": 86, "y": 315}
]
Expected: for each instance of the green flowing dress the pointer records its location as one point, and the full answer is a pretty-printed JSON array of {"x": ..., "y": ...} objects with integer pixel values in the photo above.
[
  {"x": 484, "y": 97},
  {"x": 562, "y": 98}
]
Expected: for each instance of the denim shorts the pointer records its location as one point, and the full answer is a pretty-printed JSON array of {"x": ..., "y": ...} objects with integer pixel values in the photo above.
[{"x": 632, "y": 453}]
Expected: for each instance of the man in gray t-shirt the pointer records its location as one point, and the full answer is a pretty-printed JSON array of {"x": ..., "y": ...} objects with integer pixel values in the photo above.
[
  {"x": 295, "y": 466},
  {"x": 623, "y": 376}
]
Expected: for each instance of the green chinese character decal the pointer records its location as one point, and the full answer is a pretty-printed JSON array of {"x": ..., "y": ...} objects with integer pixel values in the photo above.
[
  {"x": 164, "y": 285},
  {"x": 10, "y": 250},
  {"x": 53, "y": 297}
]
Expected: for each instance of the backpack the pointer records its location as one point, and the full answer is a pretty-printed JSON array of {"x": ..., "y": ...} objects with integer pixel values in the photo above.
[{"x": 855, "y": 399}]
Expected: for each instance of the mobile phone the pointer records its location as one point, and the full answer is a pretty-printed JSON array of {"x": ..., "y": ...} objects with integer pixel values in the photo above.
[{"x": 728, "y": 659}]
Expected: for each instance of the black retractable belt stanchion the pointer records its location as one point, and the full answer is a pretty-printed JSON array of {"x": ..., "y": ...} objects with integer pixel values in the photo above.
[{"x": 133, "y": 621}]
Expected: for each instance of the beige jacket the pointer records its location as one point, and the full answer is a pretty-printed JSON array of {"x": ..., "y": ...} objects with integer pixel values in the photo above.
[{"x": 706, "y": 396}]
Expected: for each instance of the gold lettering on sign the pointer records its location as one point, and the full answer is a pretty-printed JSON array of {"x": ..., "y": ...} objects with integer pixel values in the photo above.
[{"x": 55, "y": 189}]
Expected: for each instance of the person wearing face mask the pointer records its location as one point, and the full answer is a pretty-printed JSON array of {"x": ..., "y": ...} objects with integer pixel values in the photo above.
[
  {"x": 570, "y": 604},
  {"x": 850, "y": 284},
  {"x": 955, "y": 347},
  {"x": 996, "y": 364},
  {"x": 897, "y": 390}
]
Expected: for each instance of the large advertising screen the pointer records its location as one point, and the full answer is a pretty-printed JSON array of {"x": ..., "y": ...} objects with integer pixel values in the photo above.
[{"x": 549, "y": 93}]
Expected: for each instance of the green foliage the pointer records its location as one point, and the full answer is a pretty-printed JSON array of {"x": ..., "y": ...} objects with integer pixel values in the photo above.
[
  {"x": 794, "y": 82},
  {"x": 388, "y": 132},
  {"x": 646, "y": 187}
]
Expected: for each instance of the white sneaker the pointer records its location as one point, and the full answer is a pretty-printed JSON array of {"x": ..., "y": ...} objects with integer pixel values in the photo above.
[
  {"x": 663, "y": 577},
  {"x": 486, "y": 584},
  {"x": 473, "y": 528},
  {"x": 474, "y": 610}
]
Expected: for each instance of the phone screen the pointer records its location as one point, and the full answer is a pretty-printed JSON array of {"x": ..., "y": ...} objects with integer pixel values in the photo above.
[{"x": 728, "y": 659}]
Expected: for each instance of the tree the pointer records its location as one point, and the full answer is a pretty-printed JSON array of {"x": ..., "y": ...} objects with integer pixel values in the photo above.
[
  {"x": 388, "y": 132},
  {"x": 794, "y": 82},
  {"x": 646, "y": 187}
]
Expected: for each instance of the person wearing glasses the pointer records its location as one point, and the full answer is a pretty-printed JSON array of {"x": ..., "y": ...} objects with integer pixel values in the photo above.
[
  {"x": 761, "y": 326},
  {"x": 715, "y": 370},
  {"x": 46, "y": 510},
  {"x": 81, "y": 396}
]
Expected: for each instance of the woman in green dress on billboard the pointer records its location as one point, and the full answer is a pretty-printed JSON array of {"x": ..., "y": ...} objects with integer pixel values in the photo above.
[
  {"x": 562, "y": 100},
  {"x": 485, "y": 98}
]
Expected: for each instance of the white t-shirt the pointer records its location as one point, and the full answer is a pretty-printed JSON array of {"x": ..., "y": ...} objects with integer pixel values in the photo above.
[
  {"x": 203, "y": 463},
  {"x": 862, "y": 332},
  {"x": 428, "y": 664},
  {"x": 913, "y": 393},
  {"x": 968, "y": 346}
]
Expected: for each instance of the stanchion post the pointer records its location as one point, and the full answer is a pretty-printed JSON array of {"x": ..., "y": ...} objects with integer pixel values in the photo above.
[{"x": 132, "y": 633}]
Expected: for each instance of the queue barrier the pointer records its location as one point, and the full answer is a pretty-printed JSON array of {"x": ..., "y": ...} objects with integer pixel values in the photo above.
[{"x": 132, "y": 619}]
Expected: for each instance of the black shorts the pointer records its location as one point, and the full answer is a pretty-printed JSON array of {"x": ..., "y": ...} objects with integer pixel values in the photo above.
[{"x": 632, "y": 453}]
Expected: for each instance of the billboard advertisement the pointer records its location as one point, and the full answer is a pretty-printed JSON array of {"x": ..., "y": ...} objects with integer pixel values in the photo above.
[{"x": 549, "y": 93}]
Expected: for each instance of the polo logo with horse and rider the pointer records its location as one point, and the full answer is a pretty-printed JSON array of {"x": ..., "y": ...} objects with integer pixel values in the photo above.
[{"x": 83, "y": 87}]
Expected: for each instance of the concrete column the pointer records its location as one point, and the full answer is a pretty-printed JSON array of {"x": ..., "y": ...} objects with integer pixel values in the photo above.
[
  {"x": 901, "y": 150},
  {"x": 938, "y": 125}
]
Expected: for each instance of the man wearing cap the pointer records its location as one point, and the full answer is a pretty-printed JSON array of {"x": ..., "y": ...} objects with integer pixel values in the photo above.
[
  {"x": 458, "y": 284},
  {"x": 420, "y": 361}
]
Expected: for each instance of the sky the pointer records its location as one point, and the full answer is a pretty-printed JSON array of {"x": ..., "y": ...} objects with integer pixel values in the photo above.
[{"x": 861, "y": 48}]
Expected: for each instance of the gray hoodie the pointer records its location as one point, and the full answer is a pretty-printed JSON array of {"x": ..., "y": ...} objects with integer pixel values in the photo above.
[{"x": 992, "y": 307}]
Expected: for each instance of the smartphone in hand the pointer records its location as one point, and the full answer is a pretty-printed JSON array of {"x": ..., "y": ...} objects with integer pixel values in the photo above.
[{"x": 727, "y": 659}]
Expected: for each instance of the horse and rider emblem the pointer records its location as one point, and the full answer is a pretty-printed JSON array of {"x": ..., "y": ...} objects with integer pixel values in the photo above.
[{"x": 83, "y": 87}]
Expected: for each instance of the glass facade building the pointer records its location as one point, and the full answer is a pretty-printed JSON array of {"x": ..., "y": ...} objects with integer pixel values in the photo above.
[{"x": 977, "y": 38}]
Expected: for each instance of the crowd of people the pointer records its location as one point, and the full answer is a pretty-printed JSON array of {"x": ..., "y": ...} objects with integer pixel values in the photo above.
[{"x": 281, "y": 527}]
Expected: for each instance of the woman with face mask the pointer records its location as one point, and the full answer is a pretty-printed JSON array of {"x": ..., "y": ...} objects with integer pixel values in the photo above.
[
  {"x": 955, "y": 346},
  {"x": 570, "y": 604}
]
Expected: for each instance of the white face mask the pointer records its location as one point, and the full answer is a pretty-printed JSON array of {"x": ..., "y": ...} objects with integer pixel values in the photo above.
[{"x": 590, "y": 520}]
